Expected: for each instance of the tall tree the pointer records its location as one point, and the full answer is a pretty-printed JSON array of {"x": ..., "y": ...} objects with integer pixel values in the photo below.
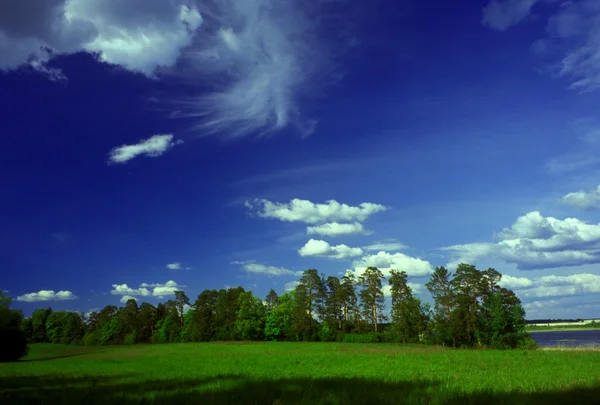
[
  {"x": 38, "y": 320},
  {"x": 205, "y": 313},
  {"x": 182, "y": 301},
  {"x": 303, "y": 321},
  {"x": 468, "y": 284},
  {"x": 315, "y": 292},
  {"x": 334, "y": 303},
  {"x": 280, "y": 320},
  {"x": 271, "y": 300},
  {"x": 349, "y": 299},
  {"x": 402, "y": 305},
  {"x": 147, "y": 318},
  {"x": 371, "y": 296},
  {"x": 444, "y": 303}
]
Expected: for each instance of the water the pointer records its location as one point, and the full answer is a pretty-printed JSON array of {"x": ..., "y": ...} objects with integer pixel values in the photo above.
[{"x": 568, "y": 338}]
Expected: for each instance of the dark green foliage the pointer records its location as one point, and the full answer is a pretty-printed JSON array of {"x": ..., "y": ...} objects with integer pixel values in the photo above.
[
  {"x": 470, "y": 310},
  {"x": 13, "y": 341}
]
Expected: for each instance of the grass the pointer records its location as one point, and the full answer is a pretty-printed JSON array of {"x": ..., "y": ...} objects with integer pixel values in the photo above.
[{"x": 298, "y": 373}]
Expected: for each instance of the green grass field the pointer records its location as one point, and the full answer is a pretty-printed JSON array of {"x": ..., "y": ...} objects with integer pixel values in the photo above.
[{"x": 298, "y": 373}]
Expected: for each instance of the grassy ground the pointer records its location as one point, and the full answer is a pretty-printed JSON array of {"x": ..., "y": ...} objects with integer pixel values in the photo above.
[{"x": 298, "y": 373}]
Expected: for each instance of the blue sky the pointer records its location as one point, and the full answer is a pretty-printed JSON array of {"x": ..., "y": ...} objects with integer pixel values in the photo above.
[{"x": 156, "y": 145}]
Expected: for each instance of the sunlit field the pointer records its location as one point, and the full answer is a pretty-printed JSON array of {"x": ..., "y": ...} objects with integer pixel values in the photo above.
[{"x": 298, "y": 373}]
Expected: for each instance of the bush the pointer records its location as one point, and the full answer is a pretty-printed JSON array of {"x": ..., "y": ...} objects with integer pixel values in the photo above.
[
  {"x": 130, "y": 338},
  {"x": 527, "y": 343},
  {"x": 13, "y": 343},
  {"x": 91, "y": 339},
  {"x": 371, "y": 337},
  {"x": 65, "y": 340}
]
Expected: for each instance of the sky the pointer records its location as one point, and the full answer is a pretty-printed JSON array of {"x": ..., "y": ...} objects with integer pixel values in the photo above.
[{"x": 157, "y": 145}]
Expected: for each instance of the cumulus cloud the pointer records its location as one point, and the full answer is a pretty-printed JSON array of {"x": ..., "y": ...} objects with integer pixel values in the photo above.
[
  {"x": 502, "y": 14},
  {"x": 562, "y": 286},
  {"x": 147, "y": 290},
  {"x": 386, "y": 262},
  {"x": 333, "y": 229},
  {"x": 515, "y": 282},
  {"x": 139, "y": 35},
  {"x": 154, "y": 146},
  {"x": 252, "y": 267},
  {"x": 313, "y": 213},
  {"x": 586, "y": 200},
  {"x": 291, "y": 286},
  {"x": 537, "y": 242},
  {"x": 126, "y": 298},
  {"x": 174, "y": 266},
  {"x": 47, "y": 295},
  {"x": 321, "y": 248}
]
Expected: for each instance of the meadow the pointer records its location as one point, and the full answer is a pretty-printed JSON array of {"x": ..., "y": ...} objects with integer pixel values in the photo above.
[{"x": 298, "y": 373}]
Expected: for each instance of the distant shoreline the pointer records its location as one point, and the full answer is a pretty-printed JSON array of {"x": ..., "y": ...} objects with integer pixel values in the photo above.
[{"x": 559, "y": 329}]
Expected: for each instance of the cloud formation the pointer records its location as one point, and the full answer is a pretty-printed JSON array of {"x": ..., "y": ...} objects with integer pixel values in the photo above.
[
  {"x": 154, "y": 146},
  {"x": 573, "y": 36},
  {"x": 47, "y": 295},
  {"x": 502, "y": 14},
  {"x": 334, "y": 229},
  {"x": 386, "y": 261},
  {"x": 585, "y": 200},
  {"x": 147, "y": 290},
  {"x": 298, "y": 210},
  {"x": 139, "y": 35},
  {"x": 553, "y": 286},
  {"x": 537, "y": 242},
  {"x": 320, "y": 248},
  {"x": 252, "y": 267},
  {"x": 126, "y": 298},
  {"x": 387, "y": 245}
]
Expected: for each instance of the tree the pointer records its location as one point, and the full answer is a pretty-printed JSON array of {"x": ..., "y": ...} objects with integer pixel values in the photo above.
[
  {"x": 403, "y": 305},
  {"x": 38, "y": 321},
  {"x": 147, "y": 318},
  {"x": 13, "y": 342},
  {"x": 468, "y": 284},
  {"x": 272, "y": 300},
  {"x": 315, "y": 292},
  {"x": 334, "y": 303},
  {"x": 349, "y": 299},
  {"x": 371, "y": 296},
  {"x": 204, "y": 323},
  {"x": 279, "y": 324},
  {"x": 129, "y": 318},
  {"x": 182, "y": 301},
  {"x": 226, "y": 308},
  {"x": 55, "y": 325},
  {"x": 250, "y": 322},
  {"x": 302, "y": 320},
  {"x": 444, "y": 302}
]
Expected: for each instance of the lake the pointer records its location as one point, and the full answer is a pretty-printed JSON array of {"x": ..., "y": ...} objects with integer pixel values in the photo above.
[{"x": 567, "y": 338}]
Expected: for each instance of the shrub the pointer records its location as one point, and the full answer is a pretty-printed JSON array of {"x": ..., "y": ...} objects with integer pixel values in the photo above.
[
  {"x": 130, "y": 338},
  {"x": 13, "y": 343},
  {"x": 65, "y": 340},
  {"x": 371, "y": 337}
]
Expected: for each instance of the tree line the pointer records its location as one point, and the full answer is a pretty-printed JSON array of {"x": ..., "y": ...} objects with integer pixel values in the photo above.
[{"x": 470, "y": 310}]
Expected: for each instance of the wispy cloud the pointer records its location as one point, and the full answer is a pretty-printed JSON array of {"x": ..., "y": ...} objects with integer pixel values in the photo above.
[
  {"x": 573, "y": 39},
  {"x": 270, "y": 55},
  {"x": 502, "y": 14},
  {"x": 252, "y": 267},
  {"x": 584, "y": 154},
  {"x": 177, "y": 266},
  {"x": 154, "y": 146},
  {"x": 47, "y": 295}
]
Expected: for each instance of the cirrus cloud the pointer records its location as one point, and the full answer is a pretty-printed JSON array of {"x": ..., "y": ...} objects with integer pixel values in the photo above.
[{"x": 154, "y": 146}]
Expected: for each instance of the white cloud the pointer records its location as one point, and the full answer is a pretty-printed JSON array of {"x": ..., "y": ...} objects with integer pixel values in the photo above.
[
  {"x": 323, "y": 249},
  {"x": 305, "y": 211},
  {"x": 126, "y": 298},
  {"x": 586, "y": 200},
  {"x": 291, "y": 286},
  {"x": 537, "y": 242},
  {"x": 147, "y": 290},
  {"x": 270, "y": 54},
  {"x": 386, "y": 262},
  {"x": 515, "y": 282},
  {"x": 270, "y": 270},
  {"x": 154, "y": 146},
  {"x": 139, "y": 35},
  {"x": 334, "y": 229},
  {"x": 502, "y": 14},
  {"x": 174, "y": 266},
  {"x": 389, "y": 246},
  {"x": 47, "y": 295},
  {"x": 560, "y": 286}
]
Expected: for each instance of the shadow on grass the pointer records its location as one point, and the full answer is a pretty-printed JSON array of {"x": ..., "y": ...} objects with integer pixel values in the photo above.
[{"x": 236, "y": 389}]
